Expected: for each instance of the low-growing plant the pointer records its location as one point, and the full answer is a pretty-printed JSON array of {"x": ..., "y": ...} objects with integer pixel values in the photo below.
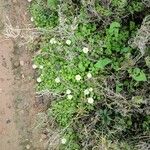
[
  {"x": 101, "y": 91},
  {"x": 44, "y": 14}
]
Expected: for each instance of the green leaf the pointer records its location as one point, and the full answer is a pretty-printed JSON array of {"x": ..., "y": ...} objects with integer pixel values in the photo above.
[
  {"x": 119, "y": 87},
  {"x": 115, "y": 25},
  {"x": 138, "y": 75},
  {"x": 137, "y": 99},
  {"x": 52, "y": 4},
  {"x": 81, "y": 67},
  {"x": 102, "y": 63}
]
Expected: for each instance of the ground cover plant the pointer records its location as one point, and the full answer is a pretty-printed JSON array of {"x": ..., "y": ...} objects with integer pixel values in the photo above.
[{"x": 94, "y": 58}]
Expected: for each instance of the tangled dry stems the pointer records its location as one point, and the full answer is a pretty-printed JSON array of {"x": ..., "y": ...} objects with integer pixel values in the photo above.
[{"x": 143, "y": 36}]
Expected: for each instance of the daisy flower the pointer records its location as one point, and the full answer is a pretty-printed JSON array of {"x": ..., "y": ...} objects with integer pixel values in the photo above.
[
  {"x": 90, "y": 89},
  {"x": 29, "y": 1},
  {"x": 57, "y": 80},
  {"x": 63, "y": 141},
  {"x": 34, "y": 66},
  {"x": 32, "y": 19},
  {"x": 69, "y": 96},
  {"x": 68, "y": 42},
  {"x": 86, "y": 92},
  {"x": 53, "y": 41},
  {"x": 39, "y": 80},
  {"x": 78, "y": 77},
  {"x": 90, "y": 100},
  {"x": 89, "y": 75},
  {"x": 68, "y": 91},
  {"x": 85, "y": 50},
  {"x": 41, "y": 67}
]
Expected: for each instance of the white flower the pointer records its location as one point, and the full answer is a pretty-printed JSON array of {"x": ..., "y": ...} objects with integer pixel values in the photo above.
[
  {"x": 90, "y": 89},
  {"x": 32, "y": 19},
  {"x": 34, "y": 66},
  {"x": 90, "y": 100},
  {"x": 57, "y": 80},
  {"x": 41, "y": 67},
  {"x": 78, "y": 77},
  {"x": 68, "y": 42},
  {"x": 53, "y": 41},
  {"x": 89, "y": 75},
  {"x": 69, "y": 96},
  {"x": 29, "y": 1},
  {"x": 68, "y": 91},
  {"x": 63, "y": 141},
  {"x": 39, "y": 80},
  {"x": 85, "y": 50},
  {"x": 86, "y": 92}
]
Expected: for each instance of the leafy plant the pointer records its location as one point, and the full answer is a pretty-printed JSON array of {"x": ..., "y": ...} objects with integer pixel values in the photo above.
[
  {"x": 102, "y": 63},
  {"x": 105, "y": 117},
  {"x": 52, "y": 4},
  {"x": 64, "y": 111},
  {"x": 89, "y": 67},
  {"x": 138, "y": 74},
  {"x": 43, "y": 15}
]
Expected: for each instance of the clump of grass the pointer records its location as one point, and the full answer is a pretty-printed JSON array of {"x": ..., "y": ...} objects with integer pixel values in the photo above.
[{"x": 99, "y": 79}]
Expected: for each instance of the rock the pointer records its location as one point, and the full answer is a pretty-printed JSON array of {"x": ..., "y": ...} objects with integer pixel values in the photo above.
[
  {"x": 43, "y": 136},
  {"x": 23, "y": 77},
  {"x": 16, "y": 64},
  {"x": 15, "y": 1},
  {"x": 8, "y": 121},
  {"x": 21, "y": 63}
]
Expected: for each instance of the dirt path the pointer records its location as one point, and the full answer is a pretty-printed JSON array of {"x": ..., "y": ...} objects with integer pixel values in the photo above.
[
  {"x": 7, "y": 111},
  {"x": 17, "y": 93}
]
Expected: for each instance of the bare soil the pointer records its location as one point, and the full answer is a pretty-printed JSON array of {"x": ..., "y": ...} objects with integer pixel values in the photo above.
[
  {"x": 17, "y": 86},
  {"x": 9, "y": 136}
]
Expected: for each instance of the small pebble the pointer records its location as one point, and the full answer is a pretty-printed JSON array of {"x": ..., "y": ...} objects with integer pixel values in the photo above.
[
  {"x": 23, "y": 77},
  {"x": 21, "y": 63},
  {"x": 15, "y": 1},
  {"x": 43, "y": 136},
  {"x": 8, "y": 121},
  {"x": 8, "y": 141},
  {"x": 28, "y": 146},
  {"x": 16, "y": 64}
]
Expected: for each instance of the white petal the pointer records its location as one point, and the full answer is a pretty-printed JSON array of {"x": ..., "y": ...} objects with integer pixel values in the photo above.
[
  {"x": 78, "y": 77},
  {"x": 63, "y": 141},
  {"x": 68, "y": 91},
  {"x": 39, "y": 80},
  {"x": 41, "y": 67},
  {"x": 69, "y": 96},
  {"x": 32, "y": 19},
  {"x": 53, "y": 41},
  {"x": 89, "y": 75},
  {"x": 85, "y": 50},
  {"x": 90, "y": 89},
  {"x": 34, "y": 66},
  {"x": 90, "y": 100},
  {"x": 68, "y": 42},
  {"x": 57, "y": 80},
  {"x": 86, "y": 92}
]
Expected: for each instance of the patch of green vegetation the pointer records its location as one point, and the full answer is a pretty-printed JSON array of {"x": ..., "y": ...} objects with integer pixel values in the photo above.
[
  {"x": 68, "y": 108},
  {"x": 44, "y": 14},
  {"x": 118, "y": 8},
  {"x": 87, "y": 62}
]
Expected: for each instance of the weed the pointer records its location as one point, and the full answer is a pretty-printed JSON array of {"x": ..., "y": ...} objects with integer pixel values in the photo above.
[{"x": 101, "y": 82}]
